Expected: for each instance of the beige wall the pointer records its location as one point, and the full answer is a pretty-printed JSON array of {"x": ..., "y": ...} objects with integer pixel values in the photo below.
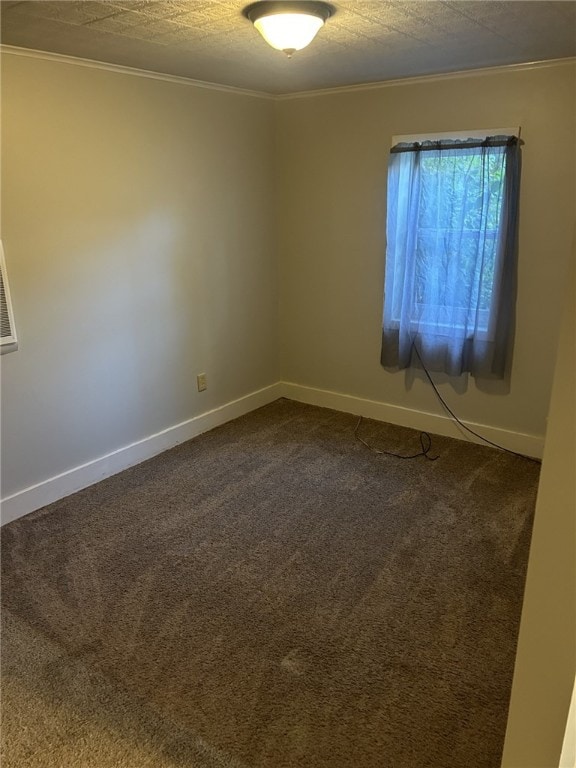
[
  {"x": 137, "y": 221},
  {"x": 138, "y": 224},
  {"x": 546, "y": 657},
  {"x": 332, "y": 171}
]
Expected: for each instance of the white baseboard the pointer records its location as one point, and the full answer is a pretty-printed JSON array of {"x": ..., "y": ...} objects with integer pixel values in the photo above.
[
  {"x": 54, "y": 488},
  {"x": 529, "y": 445},
  {"x": 36, "y": 496}
]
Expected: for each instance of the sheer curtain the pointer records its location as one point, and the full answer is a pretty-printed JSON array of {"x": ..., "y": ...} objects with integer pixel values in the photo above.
[{"x": 451, "y": 255}]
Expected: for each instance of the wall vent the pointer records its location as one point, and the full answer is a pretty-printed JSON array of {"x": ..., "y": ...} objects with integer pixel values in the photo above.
[{"x": 8, "y": 340}]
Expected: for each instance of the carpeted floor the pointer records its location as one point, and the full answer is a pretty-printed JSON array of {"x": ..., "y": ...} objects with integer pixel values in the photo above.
[{"x": 270, "y": 594}]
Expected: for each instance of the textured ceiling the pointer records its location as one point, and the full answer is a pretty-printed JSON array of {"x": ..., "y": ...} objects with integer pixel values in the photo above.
[{"x": 365, "y": 41}]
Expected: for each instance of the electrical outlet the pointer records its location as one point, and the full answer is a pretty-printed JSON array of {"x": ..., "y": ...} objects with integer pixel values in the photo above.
[{"x": 201, "y": 382}]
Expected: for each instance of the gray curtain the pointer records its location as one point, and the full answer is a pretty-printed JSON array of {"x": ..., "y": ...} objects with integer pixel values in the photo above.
[{"x": 452, "y": 220}]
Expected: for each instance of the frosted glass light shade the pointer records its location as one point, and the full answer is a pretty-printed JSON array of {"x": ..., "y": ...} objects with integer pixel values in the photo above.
[
  {"x": 288, "y": 31},
  {"x": 288, "y": 25}
]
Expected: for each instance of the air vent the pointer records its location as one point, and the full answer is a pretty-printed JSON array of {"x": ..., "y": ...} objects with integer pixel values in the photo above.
[{"x": 8, "y": 341}]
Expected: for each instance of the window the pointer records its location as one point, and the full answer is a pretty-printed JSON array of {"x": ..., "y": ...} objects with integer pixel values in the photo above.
[
  {"x": 451, "y": 252},
  {"x": 8, "y": 341}
]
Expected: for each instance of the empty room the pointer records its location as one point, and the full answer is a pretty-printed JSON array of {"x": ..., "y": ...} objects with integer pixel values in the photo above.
[{"x": 287, "y": 384}]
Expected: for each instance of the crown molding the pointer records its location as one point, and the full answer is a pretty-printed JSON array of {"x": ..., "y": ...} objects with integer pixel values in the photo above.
[
  {"x": 31, "y": 53},
  {"x": 149, "y": 74},
  {"x": 420, "y": 79}
]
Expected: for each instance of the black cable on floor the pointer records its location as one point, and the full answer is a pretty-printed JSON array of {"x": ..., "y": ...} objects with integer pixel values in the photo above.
[{"x": 425, "y": 443}]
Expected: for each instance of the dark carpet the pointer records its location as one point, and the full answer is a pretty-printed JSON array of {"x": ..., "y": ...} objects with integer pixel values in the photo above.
[{"x": 271, "y": 594}]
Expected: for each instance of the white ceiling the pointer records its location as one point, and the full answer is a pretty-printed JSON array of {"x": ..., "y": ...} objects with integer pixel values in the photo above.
[{"x": 365, "y": 41}]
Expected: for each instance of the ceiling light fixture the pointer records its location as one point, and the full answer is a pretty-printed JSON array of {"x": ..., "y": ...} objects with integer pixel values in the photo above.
[{"x": 288, "y": 26}]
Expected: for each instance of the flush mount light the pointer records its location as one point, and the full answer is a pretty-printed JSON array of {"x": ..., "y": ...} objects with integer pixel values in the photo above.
[{"x": 288, "y": 26}]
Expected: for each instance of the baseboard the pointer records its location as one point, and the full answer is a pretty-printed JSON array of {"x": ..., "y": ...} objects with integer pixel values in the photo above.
[
  {"x": 54, "y": 488},
  {"x": 529, "y": 445}
]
